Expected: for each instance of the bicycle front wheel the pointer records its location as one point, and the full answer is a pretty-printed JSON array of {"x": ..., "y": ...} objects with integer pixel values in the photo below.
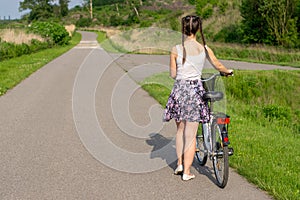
[{"x": 220, "y": 157}]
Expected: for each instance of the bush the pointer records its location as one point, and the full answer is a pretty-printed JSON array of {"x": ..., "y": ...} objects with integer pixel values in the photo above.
[
  {"x": 207, "y": 12},
  {"x": 230, "y": 34},
  {"x": 275, "y": 112},
  {"x": 37, "y": 45},
  {"x": 84, "y": 22},
  {"x": 145, "y": 23},
  {"x": 7, "y": 50},
  {"x": 116, "y": 20},
  {"x": 204, "y": 8},
  {"x": 223, "y": 6},
  {"x": 10, "y": 50},
  {"x": 132, "y": 19},
  {"x": 22, "y": 49},
  {"x": 56, "y": 33},
  {"x": 174, "y": 23}
]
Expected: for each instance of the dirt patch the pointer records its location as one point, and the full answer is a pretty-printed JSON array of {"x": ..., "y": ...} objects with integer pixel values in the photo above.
[{"x": 71, "y": 29}]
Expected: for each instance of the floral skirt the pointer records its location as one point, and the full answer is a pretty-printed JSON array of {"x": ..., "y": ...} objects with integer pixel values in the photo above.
[{"x": 185, "y": 102}]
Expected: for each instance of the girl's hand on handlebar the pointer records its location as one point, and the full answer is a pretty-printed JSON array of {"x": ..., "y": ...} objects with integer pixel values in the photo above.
[{"x": 228, "y": 73}]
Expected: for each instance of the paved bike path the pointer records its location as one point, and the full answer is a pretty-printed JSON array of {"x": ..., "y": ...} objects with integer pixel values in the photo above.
[{"x": 47, "y": 146}]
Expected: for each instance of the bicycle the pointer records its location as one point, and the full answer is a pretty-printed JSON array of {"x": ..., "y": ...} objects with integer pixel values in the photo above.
[{"x": 215, "y": 144}]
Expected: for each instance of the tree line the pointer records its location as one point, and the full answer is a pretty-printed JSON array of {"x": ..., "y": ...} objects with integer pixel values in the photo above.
[
  {"x": 110, "y": 2},
  {"x": 44, "y": 9},
  {"x": 271, "y": 22},
  {"x": 274, "y": 22}
]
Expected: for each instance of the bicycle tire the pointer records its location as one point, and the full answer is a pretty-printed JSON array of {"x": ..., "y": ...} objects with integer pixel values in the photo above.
[
  {"x": 201, "y": 152},
  {"x": 220, "y": 159}
]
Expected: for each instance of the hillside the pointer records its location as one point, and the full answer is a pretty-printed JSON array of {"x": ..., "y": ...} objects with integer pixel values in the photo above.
[{"x": 162, "y": 13}]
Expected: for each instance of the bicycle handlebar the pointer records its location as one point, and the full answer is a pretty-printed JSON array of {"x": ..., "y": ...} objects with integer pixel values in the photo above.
[{"x": 217, "y": 74}]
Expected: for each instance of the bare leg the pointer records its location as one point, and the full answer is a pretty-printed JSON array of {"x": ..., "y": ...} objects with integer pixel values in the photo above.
[
  {"x": 179, "y": 141},
  {"x": 190, "y": 132}
]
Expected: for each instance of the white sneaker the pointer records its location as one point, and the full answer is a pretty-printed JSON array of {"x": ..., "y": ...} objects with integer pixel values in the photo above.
[
  {"x": 186, "y": 177},
  {"x": 178, "y": 170}
]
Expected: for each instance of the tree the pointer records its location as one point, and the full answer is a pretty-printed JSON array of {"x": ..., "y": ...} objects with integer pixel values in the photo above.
[
  {"x": 64, "y": 10},
  {"x": 104, "y": 2},
  {"x": 40, "y": 9},
  {"x": 89, "y": 4},
  {"x": 253, "y": 24},
  {"x": 136, "y": 4},
  {"x": 270, "y": 21},
  {"x": 297, "y": 16},
  {"x": 44, "y": 9},
  {"x": 278, "y": 15}
]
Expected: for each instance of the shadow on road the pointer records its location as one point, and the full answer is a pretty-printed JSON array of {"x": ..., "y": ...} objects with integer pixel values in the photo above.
[
  {"x": 205, "y": 170},
  {"x": 158, "y": 141}
]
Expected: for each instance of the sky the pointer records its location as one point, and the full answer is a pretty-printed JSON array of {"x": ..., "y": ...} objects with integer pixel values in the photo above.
[{"x": 10, "y": 8}]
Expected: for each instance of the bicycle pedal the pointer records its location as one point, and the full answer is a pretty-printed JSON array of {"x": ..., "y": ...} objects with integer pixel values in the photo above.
[{"x": 230, "y": 151}]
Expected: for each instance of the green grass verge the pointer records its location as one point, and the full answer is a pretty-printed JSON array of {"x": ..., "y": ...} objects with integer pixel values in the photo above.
[
  {"x": 101, "y": 36},
  {"x": 15, "y": 70},
  {"x": 264, "y": 130},
  {"x": 265, "y": 55},
  {"x": 107, "y": 44}
]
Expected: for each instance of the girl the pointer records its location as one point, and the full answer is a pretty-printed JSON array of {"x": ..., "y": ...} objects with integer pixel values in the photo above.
[{"x": 185, "y": 102}]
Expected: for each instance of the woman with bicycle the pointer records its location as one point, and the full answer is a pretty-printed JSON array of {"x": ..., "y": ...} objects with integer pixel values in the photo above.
[{"x": 185, "y": 103}]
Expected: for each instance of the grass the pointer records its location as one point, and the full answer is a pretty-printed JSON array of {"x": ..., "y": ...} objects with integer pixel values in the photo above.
[
  {"x": 101, "y": 36},
  {"x": 13, "y": 71},
  {"x": 106, "y": 43},
  {"x": 259, "y": 54},
  {"x": 264, "y": 130}
]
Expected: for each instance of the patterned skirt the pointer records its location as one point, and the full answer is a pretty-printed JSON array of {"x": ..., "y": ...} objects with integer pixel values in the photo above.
[{"x": 185, "y": 102}]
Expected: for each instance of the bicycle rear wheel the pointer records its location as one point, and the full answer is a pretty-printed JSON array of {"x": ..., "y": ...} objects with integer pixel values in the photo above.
[
  {"x": 220, "y": 157},
  {"x": 201, "y": 152}
]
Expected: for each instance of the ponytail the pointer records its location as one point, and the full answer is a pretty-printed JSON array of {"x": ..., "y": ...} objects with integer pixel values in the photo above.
[
  {"x": 201, "y": 32},
  {"x": 183, "y": 38}
]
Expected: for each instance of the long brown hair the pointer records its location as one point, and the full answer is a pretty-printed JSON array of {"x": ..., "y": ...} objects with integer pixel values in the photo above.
[{"x": 190, "y": 25}]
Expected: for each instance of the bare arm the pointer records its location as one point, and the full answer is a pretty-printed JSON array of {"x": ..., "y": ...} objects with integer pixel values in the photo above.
[
  {"x": 173, "y": 66},
  {"x": 215, "y": 62}
]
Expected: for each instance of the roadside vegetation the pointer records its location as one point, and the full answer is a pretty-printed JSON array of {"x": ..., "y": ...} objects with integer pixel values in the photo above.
[
  {"x": 231, "y": 27},
  {"x": 123, "y": 43},
  {"x": 38, "y": 36},
  {"x": 257, "y": 54},
  {"x": 13, "y": 71},
  {"x": 233, "y": 30},
  {"x": 264, "y": 130}
]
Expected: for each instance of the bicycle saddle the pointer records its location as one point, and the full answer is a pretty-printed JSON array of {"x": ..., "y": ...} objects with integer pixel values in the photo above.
[{"x": 213, "y": 96}]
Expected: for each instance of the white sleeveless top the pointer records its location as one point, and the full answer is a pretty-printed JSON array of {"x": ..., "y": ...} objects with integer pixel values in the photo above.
[{"x": 192, "y": 68}]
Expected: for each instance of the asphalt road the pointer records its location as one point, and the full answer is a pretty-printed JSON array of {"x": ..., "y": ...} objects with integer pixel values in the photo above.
[{"x": 81, "y": 128}]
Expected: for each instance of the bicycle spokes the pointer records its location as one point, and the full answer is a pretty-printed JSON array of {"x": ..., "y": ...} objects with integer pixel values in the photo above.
[{"x": 220, "y": 156}]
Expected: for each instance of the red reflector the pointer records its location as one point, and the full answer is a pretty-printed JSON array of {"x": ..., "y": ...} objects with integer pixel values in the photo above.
[
  {"x": 226, "y": 139},
  {"x": 223, "y": 120}
]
